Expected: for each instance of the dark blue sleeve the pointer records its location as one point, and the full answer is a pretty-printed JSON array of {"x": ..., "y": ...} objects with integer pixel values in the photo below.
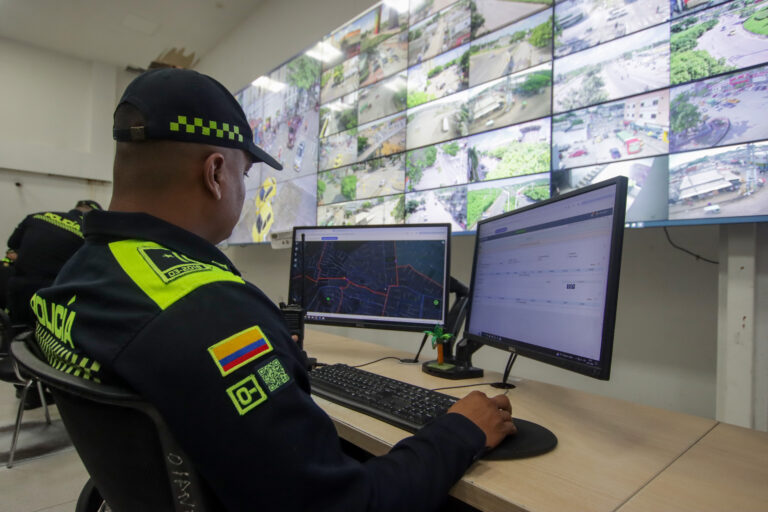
[
  {"x": 255, "y": 433},
  {"x": 14, "y": 241}
]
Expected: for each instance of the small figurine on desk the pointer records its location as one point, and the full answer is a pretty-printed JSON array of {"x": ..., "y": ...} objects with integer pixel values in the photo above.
[{"x": 438, "y": 338}]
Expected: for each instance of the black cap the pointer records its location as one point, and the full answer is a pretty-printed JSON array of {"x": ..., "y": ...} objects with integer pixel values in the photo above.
[
  {"x": 90, "y": 203},
  {"x": 187, "y": 106}
]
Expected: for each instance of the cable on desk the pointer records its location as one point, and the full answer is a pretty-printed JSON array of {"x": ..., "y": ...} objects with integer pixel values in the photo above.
[
  {"x": 463, "y": 386},
  {"x": 376, "y": 361}
]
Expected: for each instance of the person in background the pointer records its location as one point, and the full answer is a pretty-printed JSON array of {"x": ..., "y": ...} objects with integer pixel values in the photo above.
[
  {"x": 149, "y": 301},
  {"x": 6, "y": 269},
  {"x": 42, "y": 242}
]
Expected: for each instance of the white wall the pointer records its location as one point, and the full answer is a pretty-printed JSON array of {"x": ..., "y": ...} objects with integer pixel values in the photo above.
[
  {"x": 56, "y": 112},
  {"x": 56, "y": 132}
]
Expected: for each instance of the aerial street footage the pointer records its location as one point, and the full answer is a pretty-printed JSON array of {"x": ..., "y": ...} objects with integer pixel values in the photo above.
[
  {"x": 626, "y": 66},
  {"x": 519, "y": 46},
  {"x": 581, "y": 24},
  {"x": 488, "y": 15},
  {"x": 377, "y": 210},
  {"x": 647, "y": 193},
  {"x": 441, "y": 205},
  {"x": 436, "y": 166},
  {"x": 339, "y": 80},
  {"x": 629, "y": 128},
  {"x": 379, "y": 177},
  {"x": 437, "y": 121},
  {"x": 380, "y": 138},
  {"x": 724, "y": 110},
  {"x": 511, "y": 99},
  {"x": 338, "y": 116},
  {"x": 287, "y": 123},
  {"x": 346, "y": 42},
  {"x": 382, "y": 99},
  {"x": 724, "y": 38},
  {"x": 487, "y": 199},
  {"x": 445, "y": 30},
  {"x": 271, "y": 207},
  {"x": 508, "y": 152},
  {"x": 683, "y": 7},
  {"x": 444, "y": 75},
  {"x": 719, "y": 182},
  {"x": 400, "y": 279},
  {"x": 338, "y": 150},
  {"x": 384, "y": 59},
  {"x": 421, "y": 9}
]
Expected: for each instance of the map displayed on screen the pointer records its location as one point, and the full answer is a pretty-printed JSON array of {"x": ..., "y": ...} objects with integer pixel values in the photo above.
[{"x": 400, "y": 279}]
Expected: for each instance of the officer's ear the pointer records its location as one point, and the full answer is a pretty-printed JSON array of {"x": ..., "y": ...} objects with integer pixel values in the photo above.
[{"x": 213, "y": 174}]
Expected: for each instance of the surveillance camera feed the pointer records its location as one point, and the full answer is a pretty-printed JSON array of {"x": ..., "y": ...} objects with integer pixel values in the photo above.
[{"x": 453, "y": 111}]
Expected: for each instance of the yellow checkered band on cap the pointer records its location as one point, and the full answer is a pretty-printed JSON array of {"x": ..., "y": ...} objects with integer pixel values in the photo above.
[{"x": 208, "y": 128}]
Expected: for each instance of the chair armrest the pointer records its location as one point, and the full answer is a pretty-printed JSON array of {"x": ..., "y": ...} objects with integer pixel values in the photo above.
[{"x": 30, "y": 363}]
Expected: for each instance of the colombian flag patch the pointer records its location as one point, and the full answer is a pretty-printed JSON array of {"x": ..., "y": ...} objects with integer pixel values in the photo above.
[{"x": 239, "y": 349}]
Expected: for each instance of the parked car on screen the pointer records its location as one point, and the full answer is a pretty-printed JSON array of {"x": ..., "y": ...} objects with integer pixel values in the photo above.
[
  {"x": 578, "y": 152},
  {"x": 615, "y": 153},
  {"x": 299, "y": 157}
]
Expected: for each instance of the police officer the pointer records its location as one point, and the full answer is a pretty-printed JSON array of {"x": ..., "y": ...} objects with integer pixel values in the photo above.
[
  {"x": 43, "y": 242},
  {"x": 151, "y": 302}
]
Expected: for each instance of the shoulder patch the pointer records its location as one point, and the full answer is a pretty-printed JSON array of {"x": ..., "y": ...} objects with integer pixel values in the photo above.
[
  {"x": 169, "y": 265},
  {"x": 246, "y": 394},
  {"x": 239, "y": 349},
  {"x": 165, "y": 275},
  {"x": 273, "y": 375}
]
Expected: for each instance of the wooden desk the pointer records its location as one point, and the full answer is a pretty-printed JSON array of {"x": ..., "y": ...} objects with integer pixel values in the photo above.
[
  {"x": 726, "y": 470},
  {"x": 607, "y": 449}
]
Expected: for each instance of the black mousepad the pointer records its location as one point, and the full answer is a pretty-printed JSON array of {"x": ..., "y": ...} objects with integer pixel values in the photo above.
[{"x": 531, "y": 439}]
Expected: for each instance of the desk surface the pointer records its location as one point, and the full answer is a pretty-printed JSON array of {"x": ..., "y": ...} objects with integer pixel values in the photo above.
[
  {"x": 726, "y": 470},
  {"x": 607, "y": 449}
]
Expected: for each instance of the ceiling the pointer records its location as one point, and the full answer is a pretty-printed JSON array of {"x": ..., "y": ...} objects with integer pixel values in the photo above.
[{"x": 122, "y": 32}]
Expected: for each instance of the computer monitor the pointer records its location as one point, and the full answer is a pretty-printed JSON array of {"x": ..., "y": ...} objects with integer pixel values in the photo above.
[
  {"x": 545, "y": 279},
  {"x": 386, "y": 277}
]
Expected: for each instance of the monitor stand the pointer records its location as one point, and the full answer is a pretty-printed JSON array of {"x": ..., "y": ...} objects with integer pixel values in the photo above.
[{"x": 458, "y": 366}]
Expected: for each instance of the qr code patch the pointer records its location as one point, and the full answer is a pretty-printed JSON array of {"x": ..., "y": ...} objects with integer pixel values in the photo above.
[{"x": 273, "y": 375}]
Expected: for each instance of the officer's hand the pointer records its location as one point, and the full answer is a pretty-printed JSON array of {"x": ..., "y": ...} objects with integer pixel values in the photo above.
[
  {"x": 493, "y": 415},
  {"x": 295, "y": 337}
]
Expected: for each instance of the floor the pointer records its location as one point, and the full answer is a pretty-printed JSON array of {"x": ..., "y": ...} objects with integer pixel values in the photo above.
[{"x": 50, "y": 483}]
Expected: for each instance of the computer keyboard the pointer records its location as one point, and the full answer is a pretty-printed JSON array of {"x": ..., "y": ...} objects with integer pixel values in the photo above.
[{"x": 398, "y": 403}]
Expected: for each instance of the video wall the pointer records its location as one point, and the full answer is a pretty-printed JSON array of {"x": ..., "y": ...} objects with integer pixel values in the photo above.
[{"x": 455, "y": 111}]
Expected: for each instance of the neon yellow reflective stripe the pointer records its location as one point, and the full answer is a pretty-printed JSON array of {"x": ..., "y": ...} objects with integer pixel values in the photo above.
[{"x": 168, "y": 284}]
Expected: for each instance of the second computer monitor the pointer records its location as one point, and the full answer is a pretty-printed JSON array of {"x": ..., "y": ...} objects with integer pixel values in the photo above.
[
  {"x": 389, "y": 277},
  {"x": 545, "y": 279}
]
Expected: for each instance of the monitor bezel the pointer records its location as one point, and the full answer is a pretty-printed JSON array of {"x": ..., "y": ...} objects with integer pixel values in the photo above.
[
  {"x": 399, "y": 325},
  {"x": 603, "y": 369}
]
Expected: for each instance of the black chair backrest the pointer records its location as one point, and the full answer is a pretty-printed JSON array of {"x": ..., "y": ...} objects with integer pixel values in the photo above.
[
  {"x": 6, "y": 333},
  {"x": 123, "y": 442}
]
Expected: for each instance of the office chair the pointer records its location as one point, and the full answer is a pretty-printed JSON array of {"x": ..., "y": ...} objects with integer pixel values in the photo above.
[
  {"x": 9, "y": 373},
  {"x": 126, "y": 447}
]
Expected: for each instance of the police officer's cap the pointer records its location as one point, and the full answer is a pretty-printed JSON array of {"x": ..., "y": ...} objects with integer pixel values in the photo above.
[
  {"x": 187, "y": 106},
  {"x": 90, "y": 203}
]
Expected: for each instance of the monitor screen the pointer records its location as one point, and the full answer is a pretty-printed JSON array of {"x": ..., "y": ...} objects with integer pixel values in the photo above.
[
  {"x": 387, "y": 277},
  {"x": 545, "y": 279}
]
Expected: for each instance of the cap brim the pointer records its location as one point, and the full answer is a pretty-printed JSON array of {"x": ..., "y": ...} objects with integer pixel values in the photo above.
[{"x": 259, "y": 155}]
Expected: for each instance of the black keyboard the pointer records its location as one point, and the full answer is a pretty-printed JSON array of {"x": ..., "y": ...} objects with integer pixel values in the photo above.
[{"x": 398, "y": 403}]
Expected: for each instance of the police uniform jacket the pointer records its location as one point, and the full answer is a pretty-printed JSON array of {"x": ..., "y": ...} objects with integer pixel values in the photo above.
[
  {"x": 151, "y": 305},
  {"x": 45, "y": 241}
]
